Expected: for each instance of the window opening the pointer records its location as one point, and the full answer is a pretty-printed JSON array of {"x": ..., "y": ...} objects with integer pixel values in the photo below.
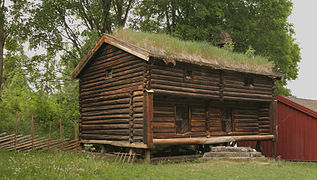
[
  {"x": 108, "y": 73},
  {"x": 248, "y": 82},
  {"x": 188, "y": 74}
]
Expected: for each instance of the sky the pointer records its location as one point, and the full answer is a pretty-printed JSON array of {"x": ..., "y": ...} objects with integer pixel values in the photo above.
[{"x": 305, "y": 25}]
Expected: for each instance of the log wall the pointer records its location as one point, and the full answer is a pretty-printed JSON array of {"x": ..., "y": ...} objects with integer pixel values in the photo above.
[
  {"x": 206, "y": 118},
  {"x": 235, "y": 87},
  {"x": 209, "y": 83},
  {"x": 111, "y": 97},
  {"x": 171, "y": 80}
]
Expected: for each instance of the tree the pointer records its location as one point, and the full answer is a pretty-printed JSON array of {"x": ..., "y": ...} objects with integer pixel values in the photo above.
[
  {"x": 260, "y": 24},
  {"x": 11, "y": 23}
]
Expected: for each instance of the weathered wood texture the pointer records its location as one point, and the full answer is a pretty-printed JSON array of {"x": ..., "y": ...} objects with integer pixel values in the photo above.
[
  {"x": 210, "y": 118},
  {"x": 171, "y": 80},
  {"x": 202, "y": 82},
  {"x": 30, "y": 142},
  {"x": 111, "y": 97},
  {"x": 239, "y": 86}
]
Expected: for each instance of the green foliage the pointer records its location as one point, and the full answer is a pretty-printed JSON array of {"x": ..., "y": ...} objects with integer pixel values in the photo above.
[
  {"x": 250, "y": 52},
  {"x": 35, "y": 165}
]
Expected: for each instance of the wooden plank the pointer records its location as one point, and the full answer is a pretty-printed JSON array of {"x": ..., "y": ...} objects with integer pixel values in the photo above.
[{"x": 117, "y": 143}]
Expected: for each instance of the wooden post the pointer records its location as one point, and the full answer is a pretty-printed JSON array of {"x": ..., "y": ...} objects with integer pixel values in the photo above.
[
  {"x": 49, "y": 136},
  {"x": 32, "y": 131},
  {"x": 15, "y": 132},
  {"x": 148, "y": 155},
  {"x": 274, "y": 149},
  {"x": 148, "y": 116},
  {"x": 103, "y": 149}
]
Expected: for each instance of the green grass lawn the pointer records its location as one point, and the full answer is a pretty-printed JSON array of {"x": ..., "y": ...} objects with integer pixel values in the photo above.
[{"x": 37, "y": 165}]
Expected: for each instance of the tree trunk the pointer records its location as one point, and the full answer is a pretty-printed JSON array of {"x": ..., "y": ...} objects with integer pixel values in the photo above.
[{"x": 106, "y": 5}]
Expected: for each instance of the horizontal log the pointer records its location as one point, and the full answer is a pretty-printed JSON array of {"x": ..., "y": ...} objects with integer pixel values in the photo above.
[
  {"x": 105, "y": 117},
  {"x": 163, "y": 125},
  {"x": 95, "y": 93},
  {"x": 176, "y": 135},
  {"x": 211, "y": 83},
  {"x": 185, "y": 89},
  {"x": 116, "y": 143},
  {"x": 103, "y": 126},
  {"x": 167, "y": 92},
  {"x": 102, "y": 103},
  {"x": 98, "y": 136},
  {"x": 108, "y": 107},
  {"x": 250, "y": 91},
  {"x": 104, "y": 81},
  {"x": 163, "y": 119},
  {"x": 105, "y": 98},
  {"x": 112, "y": 85},
  {"x": 164, "y": 130},
  {"x": 198, "y": 129},
  {"x": 108, "y": 121},
  {"x": 253, "y": 124},
  {"x": 184, "y": 84},
  {"x": 213, "y": 140},
  {"x": 226, "y": 98},
  {"x": 172, "y": 73},
  {"x": 108, "y": 112}
]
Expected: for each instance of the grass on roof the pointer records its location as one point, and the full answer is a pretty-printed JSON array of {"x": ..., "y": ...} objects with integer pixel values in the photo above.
[{"x": 171, "y": 46}]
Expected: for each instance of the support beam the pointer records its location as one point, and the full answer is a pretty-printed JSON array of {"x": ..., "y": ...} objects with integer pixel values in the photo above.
[
  {"x": 148, "y": 117},
  {"x": 213, "y": 140},
  {"x": 148, "y": 155},
  {"x": 116, "y": 143},
  {"x": 103, "y": 149}
]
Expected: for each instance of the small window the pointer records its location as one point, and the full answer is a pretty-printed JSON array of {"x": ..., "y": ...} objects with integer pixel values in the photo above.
[
  {"x": 108, "y": 73},
  {"x": 248, "y": 82},
  {"x": 188, "y": 74}
]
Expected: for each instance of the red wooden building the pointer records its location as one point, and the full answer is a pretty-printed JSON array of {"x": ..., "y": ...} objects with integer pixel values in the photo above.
[{"x": 297, "y": 130}]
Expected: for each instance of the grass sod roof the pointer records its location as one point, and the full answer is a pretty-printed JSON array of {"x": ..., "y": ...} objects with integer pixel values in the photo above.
[
  {"x": 202, "y": 53},
  {"x": 167, "y": 48}
]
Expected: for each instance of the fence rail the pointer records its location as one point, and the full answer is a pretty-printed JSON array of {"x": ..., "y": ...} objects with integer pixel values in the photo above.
[{"x": 18, "y": 142}]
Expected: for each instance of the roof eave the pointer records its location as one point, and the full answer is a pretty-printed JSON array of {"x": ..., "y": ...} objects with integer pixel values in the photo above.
[{"x": 296, "y": 106}]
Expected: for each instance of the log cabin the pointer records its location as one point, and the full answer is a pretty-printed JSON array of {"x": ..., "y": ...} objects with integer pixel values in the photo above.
[{"x": 139, "y": 97}]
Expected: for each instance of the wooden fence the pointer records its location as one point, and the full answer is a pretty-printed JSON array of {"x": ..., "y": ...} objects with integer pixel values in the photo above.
[{"x": 17, "y": 142}]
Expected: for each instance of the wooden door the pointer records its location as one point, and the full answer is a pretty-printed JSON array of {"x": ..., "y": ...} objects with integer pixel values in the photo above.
[
  {"x": 226, "y": 120},
  {"x": 182, "y": 118}
]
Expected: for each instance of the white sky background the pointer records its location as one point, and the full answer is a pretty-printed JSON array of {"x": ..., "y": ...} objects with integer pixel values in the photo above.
[{"x": 304, "y": 19}]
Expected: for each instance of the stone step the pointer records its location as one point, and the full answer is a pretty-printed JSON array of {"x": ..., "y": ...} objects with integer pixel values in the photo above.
[
  {"x": 231, "y": 149},
  {"x": 232, "y": 154},
  {"x": 232, "y": 158}
]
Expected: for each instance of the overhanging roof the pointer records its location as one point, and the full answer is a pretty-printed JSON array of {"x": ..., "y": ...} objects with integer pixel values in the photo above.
[
  {"x": 146, "y": 55},
  {"x": 306, "y": 106}
]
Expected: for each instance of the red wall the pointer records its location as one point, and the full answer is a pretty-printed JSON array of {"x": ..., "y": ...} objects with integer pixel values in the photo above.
[{"x": 297, "y": 135}]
